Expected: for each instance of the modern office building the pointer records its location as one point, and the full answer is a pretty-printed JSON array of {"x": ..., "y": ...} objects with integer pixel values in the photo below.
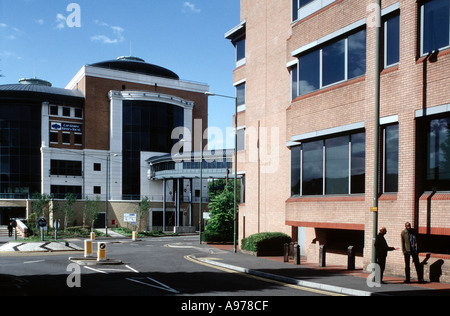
[
  {"x": 306, "y": 80},
  {"x": 94, "y": 137}
]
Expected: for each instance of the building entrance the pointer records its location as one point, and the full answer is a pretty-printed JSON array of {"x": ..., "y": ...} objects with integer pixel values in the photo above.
[{"x": 6, "y": 213}]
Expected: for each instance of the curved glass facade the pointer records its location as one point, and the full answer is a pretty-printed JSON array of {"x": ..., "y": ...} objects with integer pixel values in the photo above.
[
  {"x": 147, "y": 126},
  {"x": 20, "y": 156}
]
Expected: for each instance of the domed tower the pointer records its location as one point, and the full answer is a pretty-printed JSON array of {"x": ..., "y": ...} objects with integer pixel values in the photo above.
[{"x": 132, "y": 108}]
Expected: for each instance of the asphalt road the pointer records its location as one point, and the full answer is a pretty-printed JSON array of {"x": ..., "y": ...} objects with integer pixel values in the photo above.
[{"x": 151, "y": 267}]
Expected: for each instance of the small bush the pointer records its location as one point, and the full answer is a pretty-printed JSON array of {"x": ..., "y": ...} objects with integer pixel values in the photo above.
[
  {"x": 266, "y": 243},
  {"x": 217, "y": 237}
]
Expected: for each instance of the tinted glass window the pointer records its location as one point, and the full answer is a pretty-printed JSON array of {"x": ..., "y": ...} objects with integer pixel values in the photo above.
[
  {"x": 313, "y": 168},
  {"x": 357, "y": 54},
  {"x": 309, "y": 72},
  {"x": 358, "y": 175},
  {"x": 391, "y": 158},
  {"x": 295, "y": 170},
  {"x": 333, "y": 61},
  {"x": 337, "y": 165},
  {"x": 392, "y": 40},
  {"x": 436, "y": 25}
]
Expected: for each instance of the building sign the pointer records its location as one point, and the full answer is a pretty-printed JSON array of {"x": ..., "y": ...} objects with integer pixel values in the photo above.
[
  {"x": 66, "y": 127},
  {"x": 129, "y": 218}
]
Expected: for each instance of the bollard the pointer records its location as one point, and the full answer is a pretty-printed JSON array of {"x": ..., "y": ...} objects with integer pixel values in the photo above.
[
  {"x": 134, "y": 236},
  {"x": 92, "y": 236},
  {"x": 87, "y": 248},
  {"x": 322, "y": 256},
  {"x": 101, "y": 251},
  {"x": 286, "y": 252},
  {"x": 351, "y": 258},
  {"x": 297, "y": 254},
  {"x": 291, "y": 250}
]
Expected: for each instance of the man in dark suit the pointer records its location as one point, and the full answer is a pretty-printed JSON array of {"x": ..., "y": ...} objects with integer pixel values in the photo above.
[
  {"x": 410, "y": 249},
  {"x": 381, "y": 250}
]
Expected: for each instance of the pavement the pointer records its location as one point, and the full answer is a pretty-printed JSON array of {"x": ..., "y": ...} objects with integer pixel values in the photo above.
[{"x": 334, "y": 279}]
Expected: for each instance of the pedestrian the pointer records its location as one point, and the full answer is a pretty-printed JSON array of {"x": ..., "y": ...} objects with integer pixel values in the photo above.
[
  {"x": 10, "y": 229},
  {"x": 410, "y": 250},
  {"x": 381, "y": 251}
]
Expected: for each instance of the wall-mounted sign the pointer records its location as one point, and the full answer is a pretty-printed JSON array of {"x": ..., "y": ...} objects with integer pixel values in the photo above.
[{"x": 66, "y": 127}]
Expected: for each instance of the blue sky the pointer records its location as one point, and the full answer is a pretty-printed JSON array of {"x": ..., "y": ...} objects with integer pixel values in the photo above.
[{"x": 186, "y": 37}]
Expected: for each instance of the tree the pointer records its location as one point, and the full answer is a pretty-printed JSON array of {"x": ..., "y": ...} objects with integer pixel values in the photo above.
[
  {"x": 144, "y": 207},
  {"x": 90, "y": 211},
  {"x": 40, "y": 207},
  {"x": 68, "y": 209},
  {"x": 221, "y": 208}
]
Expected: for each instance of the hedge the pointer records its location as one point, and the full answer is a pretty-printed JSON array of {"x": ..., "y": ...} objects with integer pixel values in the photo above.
[{"x": 266, "y": 243}]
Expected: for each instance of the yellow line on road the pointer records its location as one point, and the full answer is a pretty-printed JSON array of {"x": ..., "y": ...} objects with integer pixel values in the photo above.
[{"x": 293, "y": 286}]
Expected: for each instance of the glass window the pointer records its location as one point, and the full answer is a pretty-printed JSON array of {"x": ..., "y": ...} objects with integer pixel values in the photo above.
[
  {"x": 66, "y": 138},
  {"x": 294, "y": 84},
  {"x": 309, "y": 72},
  {"x": 358, "y": 165},
  {"x": 78, "y": 113},
  {"x": 337, "y": 165},
  {"x": 392, "y": 41},
  {"x": 305, "y": 2},
  {"x": 240, "y": 49},
  {"x": 312, "y": 171},
  {"x": 357, "y": 54},
  {"x": 295, "y": 170},
  {"x": 53, "y": 110},
  {"x": 241, "y": 139},
  {"x": 391, "y": 158},
  {"x": 438, "y": 154},
  {"x": 54, "y": 137},
  {"x": 435, "y": 25},
  {"x": 78, "y": 139},
  {"x": 295, "y": 6},
  {"x": 338, "y": 61},
  {"x": 240, "y": 94},
  {"x": 66, "y": 111},
  {"x": 333, "y": 63}
]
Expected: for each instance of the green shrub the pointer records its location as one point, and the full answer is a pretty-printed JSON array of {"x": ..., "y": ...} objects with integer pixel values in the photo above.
[
  {"x": 266, "y": 243},
  {"x": 208, "y": 236}
]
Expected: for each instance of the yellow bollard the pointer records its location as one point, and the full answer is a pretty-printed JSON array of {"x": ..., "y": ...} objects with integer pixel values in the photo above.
[
  {"x": 87, "y": 248},
  {"x": 134, "y": 235},
  {"x": 92, "y": 236},
  {"x": 101, "y": 251}
]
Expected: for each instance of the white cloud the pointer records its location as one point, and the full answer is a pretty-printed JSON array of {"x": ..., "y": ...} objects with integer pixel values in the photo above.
[
  {"x": 60, "y": 21},
  {"x": 191, "y": 7},
  {"x": 116, "y": 30},
  {"x": 40, "y": 21}
]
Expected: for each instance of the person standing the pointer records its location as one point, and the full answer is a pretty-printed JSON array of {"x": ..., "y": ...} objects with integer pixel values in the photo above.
[
  {"x": 10, "y": 229},
  {"x": 381, "y": 250},
  {"x": 409, "y": 247}
]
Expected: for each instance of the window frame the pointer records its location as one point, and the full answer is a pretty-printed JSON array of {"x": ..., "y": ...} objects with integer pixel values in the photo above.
[
  {"x": 422, "y": 30},
  {"x": 385, "y": 39},
  {"x": 299, "y": 166},
  {"x": 319, "y": 49}
]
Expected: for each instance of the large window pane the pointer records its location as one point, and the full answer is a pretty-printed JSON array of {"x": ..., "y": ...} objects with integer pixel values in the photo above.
[
  {"x": 240, "y": 49},
  {"x": 333, "y": 63},
  {"x": 294, "y": 85},
  {"x": 357, "y": 54},
  {"x": 309, "y": 72},
  {"x": 358, "y": 175},
  {"x": 337, "y": 165},
  {"x": 438, "y": 158},
  {"x": 312, "y": 183},
  {"x": 240, "y": 94},
  {"x": 436, "y": 25},
  {"x": 391, "y": 159},
  {"x": 295, "y": 170},
  {"x": 392, "y": 41}
]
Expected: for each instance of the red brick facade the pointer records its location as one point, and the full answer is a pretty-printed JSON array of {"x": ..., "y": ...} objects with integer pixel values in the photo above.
[{"x": 409, "y": 87}]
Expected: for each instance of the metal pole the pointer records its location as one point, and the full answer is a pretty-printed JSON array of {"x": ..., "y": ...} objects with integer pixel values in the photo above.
[
  {"x": 235, "y": 176},
  {"x": 107, "y": 194},
  {"x": 201, "y": 192},
  {"x": 376, "y": 129}
]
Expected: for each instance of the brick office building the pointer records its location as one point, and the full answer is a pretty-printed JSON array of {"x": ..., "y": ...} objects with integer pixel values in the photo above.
[
  {"x": 305, "y": 81},
  {"x": 94, "y": 137}
]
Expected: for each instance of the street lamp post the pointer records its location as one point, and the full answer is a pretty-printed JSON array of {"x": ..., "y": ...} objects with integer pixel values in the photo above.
[{"x": 235, "y": 164}]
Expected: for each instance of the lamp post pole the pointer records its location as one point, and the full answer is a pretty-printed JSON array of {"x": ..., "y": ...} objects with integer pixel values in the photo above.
[{"x": 235, "y": 219}]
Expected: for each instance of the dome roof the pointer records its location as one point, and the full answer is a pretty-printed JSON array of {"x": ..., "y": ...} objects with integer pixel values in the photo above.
[{"x": 137, "y": 65}]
